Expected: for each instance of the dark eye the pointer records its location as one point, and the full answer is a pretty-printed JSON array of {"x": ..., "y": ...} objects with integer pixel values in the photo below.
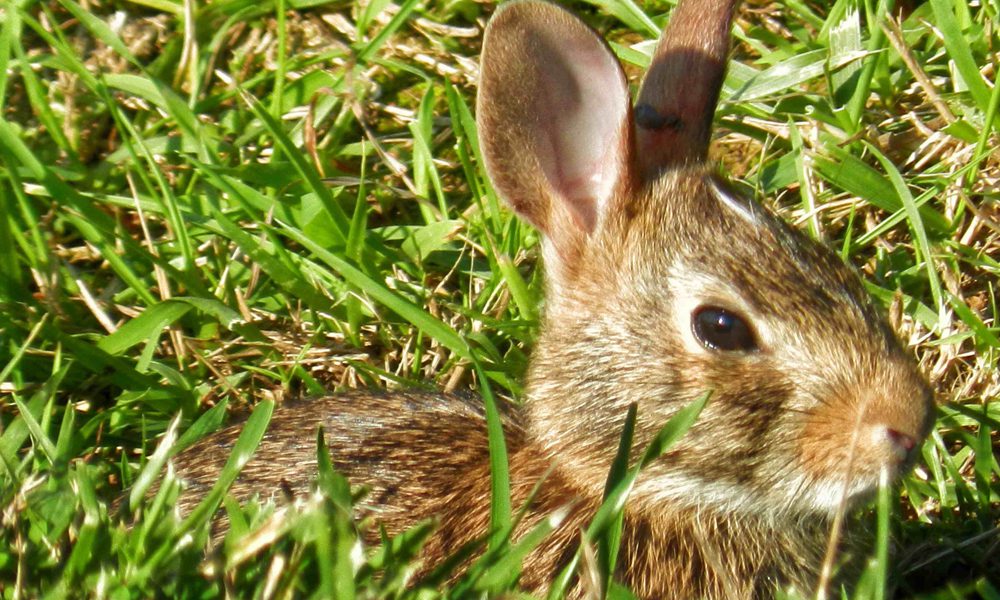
[{"x": 720, "y": 329}]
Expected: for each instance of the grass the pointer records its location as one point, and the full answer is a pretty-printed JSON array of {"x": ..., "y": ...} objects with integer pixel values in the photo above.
[{"x": 206, "y": 207}]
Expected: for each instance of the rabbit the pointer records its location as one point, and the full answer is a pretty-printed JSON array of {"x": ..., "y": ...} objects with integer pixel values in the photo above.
[{"x": 662, "y": 283}]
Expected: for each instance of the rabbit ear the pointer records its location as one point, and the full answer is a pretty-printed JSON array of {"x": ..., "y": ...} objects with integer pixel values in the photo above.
[
  {"x": 553, "y": 114},
  {"x": 677, "y": 100}
]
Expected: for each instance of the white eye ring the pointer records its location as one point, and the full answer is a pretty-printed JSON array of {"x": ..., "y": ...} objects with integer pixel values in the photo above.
[{"x": 693, "y": 290}]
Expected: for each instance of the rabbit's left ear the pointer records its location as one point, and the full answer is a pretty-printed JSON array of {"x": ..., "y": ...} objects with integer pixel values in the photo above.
[
  {"x": 553, "y": 115},
  {"x": 678, "y": 97}
]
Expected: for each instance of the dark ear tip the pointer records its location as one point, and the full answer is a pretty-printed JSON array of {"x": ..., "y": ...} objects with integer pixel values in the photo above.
[
  {"x": 679, "y": 95},
  {"x": 647, "y": 117}
]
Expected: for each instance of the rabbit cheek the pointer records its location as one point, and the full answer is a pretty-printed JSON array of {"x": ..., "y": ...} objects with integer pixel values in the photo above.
[
  {"x": 833, "y": 459},
  {"x": 742, "y": 440},
  {"x": 845, "y": 446}
]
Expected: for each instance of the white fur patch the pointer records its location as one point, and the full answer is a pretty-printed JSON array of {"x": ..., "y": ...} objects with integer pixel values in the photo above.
[
  {"x": 794, "y": 495},
  {"x": 691, "y": 288},
  {"x": 746, "y": 208}
]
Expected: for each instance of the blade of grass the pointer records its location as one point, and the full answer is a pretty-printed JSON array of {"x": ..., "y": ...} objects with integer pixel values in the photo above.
[
  {"x": 136, "y": 146},
  {"x": 92, "y": 224},
  {"x": 614, "y": 503},
  {"x": 147, "y": 326},
  {"x": 367, "y": 51},
  {"x": 367, "y": 16},
  {"x": 960, "y": 53},
  {"x": 277, "y": 109},
  {"x": 916, "y": 224},
  {"x": 985, "y": 339},
  {"x": 199, "y": 518},
  {"x": 985, "y": 134},
  {"x": 155, "y": 464},
  {"x": 629, "y": 13},
  {"x": 10, "y": 34},
  {"x": 425, "y": 173},
  {"x": 875, "y": 233},
  {"x": 463, "y": 125},
  {"x": 18, "y": 430},
  {"x": 243, "y": 450},
  {"x": 497, "y": 578},
  {"x": 302, "y": 166},
  {"x": 282, "y": 273},
  {"x": 608, "y": 545},
  {"x": 802, "y": 171},
  {"x": 500, "y": 504},
  {"x": 399, "y": 305},
  {"x": 38, "y": 434},
  {"x": 40, "y": 104},
  {"x": 64, "y": 441},
  {"x": 985, "y": 467},
  {"x": 334, "y": 551},
  {"x": 844, "y": 39},
  {"x": 849, "y": 173},
  {"x": 862, "y": 90},
  {"x": 88, "y": 534},
  {"x": 207, "y": 422},
  {"x": 355, "y": 248},
  {"x": 22, "y": 349},
  {"x": 777, "y": 79}
]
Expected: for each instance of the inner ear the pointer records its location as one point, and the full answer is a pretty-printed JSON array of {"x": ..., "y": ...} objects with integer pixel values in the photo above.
[
  {"x": 583, "y": 104},
  {"x": 553, "y": 114}
]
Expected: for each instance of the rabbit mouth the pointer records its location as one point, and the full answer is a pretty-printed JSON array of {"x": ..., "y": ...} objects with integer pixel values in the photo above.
[
  {"x": 832, "y": 496},
  {"x": 850, "y": 489},
  {"x": 867, "y": 465}
]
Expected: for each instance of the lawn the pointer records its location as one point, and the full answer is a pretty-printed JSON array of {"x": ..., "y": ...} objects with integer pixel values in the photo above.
[{"x": 211, "y": 207}]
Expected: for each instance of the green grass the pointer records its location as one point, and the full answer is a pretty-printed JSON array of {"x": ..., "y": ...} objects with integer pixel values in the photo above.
[{"x": 205, "y": 207}]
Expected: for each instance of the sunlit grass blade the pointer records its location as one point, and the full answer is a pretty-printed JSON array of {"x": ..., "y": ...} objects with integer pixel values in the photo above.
[
  {"x": 335, "y": 543},
  {"x": 614, "y": 502},
  {"x": 367, "y": 51},
  {"x": 427, "y": 323},
  {"x": 631, "y": 14},
  {"x": 862, "y": 89},
  {"x": 302, "y": 167},
  {"x": 916, "y": 224},
  {"x": 155, "y": 464},
  {"x": 246, "y": 444},
  {"x": 500, "y": 503},
  {"x": 608, "y": 545},
  {"x": 93, "y": 224},
  {"x": 498, "y": 576},
  {"x": 33, "y": 422},
  {"x": 959, "y": 52}
]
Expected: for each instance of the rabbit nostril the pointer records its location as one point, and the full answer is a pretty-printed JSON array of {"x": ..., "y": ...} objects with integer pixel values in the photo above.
[{"x": 903, "y": 441}]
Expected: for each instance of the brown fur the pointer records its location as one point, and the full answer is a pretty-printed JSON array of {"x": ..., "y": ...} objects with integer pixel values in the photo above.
[
  {"x": 693, "y": 51},
  {"x": 810, "y": 416},
  {"x": 424, "y": 456}
]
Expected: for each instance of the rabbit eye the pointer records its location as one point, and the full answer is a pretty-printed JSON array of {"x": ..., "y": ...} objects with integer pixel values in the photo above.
[{"x": 720, "y": 329}]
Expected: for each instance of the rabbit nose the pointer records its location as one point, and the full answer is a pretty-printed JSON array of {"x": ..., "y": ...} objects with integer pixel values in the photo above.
[
  {"x": 901, "y": 439},
  {"x": 902, "y": 443}
]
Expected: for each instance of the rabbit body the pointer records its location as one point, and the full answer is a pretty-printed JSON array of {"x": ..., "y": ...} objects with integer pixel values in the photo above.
[
  {"x": 424, "y": 455},
  {"x": 663, "y": 283}
]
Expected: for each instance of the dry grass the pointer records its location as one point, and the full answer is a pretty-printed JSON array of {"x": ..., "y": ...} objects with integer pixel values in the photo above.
[{"x": 361, "y": 111}]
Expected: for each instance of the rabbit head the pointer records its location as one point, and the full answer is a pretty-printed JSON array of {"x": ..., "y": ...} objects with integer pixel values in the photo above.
[{"x": 665, "y": 283}]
